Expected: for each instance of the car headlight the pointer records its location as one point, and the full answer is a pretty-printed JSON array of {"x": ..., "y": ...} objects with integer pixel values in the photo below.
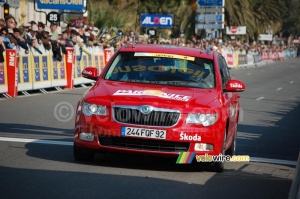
[
  {"x": 93, "y": 109},
  {"x": 200, "y": 118}
]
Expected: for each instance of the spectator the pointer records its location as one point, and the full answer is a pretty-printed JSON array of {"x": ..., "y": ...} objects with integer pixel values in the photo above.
[
  {"x": 11, "y": 37},
  {"x": 41, "y": 27},
  {"x": 32, "y": 23},
  {"x": 26, "y": 27},
  {"x": 30, "y": 37},
  {"x": 10, "y": 22},
  {"x": 53, "y": 28},
  {"x": 4, "y": 39},
  {"x": 20, "y": 41},
  {"x": 70, "y": 26},
  {"x": 45, "y": 39},
  {"x": 2, "y": 23}
]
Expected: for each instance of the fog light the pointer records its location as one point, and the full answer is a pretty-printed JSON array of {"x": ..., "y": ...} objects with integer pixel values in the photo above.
[
  {"x": 86, "y": 136},
  {"x": 203, "y": 147}
]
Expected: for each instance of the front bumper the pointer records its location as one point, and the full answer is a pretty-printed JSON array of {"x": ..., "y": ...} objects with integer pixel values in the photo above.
[{"x": 107, "y": 137}]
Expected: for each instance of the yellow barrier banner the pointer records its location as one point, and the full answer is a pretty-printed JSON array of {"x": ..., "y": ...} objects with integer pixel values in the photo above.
[
  {"x": 3, "y": 77},
  {"x": 25, "y": 73}
]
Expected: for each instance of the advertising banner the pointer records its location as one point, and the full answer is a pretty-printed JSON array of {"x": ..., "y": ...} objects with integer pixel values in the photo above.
[
  {"x": 60, "y": 4},
  {"x": 230, "y": 60},
  {"x": 70, "y": 59},
  {"x": 25, "y": 74},
  {"x": 12, "y": 72},
  {"x": 107, "y": 55},
  {"x": 296, "y": 41},
  {"x": 3, "y": 78},
  {"x": 159, "y": 21},
  {"x": 265, "y": 37}
]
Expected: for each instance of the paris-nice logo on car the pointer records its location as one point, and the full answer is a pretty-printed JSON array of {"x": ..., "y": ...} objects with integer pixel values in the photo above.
[{"x": 236, "y": 85}]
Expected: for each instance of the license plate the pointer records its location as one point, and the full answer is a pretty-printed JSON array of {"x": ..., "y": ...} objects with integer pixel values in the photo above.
[{"x": 144, "y": 133}]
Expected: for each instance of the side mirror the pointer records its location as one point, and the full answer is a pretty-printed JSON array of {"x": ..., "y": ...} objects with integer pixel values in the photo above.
[
  {"x": 90, "y": 73},
  {"x": 235, "y": 86}
]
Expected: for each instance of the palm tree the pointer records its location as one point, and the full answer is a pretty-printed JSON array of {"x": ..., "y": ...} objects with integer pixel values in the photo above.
[{"x": 113, "y": 13}]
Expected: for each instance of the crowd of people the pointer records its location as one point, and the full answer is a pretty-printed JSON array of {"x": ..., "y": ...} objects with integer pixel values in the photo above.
[{"x": 33, "y": 34}]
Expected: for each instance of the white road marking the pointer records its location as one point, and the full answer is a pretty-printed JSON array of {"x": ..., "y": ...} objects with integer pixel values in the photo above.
[
  {"x": 291, "y": 82},
  {"x": 260, "y": 98},
  {"x": 36, "y": 141},
  {"x": 274, "y": 161},
  {"x": 64, "y": 143},
  {"x": 278, "y": 89},
  {"x": 249, "y": 74}
]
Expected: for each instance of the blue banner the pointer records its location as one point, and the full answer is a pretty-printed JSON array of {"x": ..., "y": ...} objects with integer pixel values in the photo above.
[
  {"x": 90, "y": 61},
  {"x": 45, "y": 68},
  {"x": 101, "y": 63},
  {"x": 62, "y": 69},
  {"x": 60, "y": 4},
  {"x": 97, "y": 64},
  {"x": 78, "y": 66},
  {"x": 55, "y": 72},
  {"x": 37, "y": 69},
  {"x": 159, "y": 21},
  {"x": 2, "y": 74},
  {"x": 84, "y": 61},
  {"x": 25, "y": 70}
]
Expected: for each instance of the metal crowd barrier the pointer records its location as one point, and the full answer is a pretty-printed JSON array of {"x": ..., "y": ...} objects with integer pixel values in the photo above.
[
  {"x": 25, "y": 72},
  {"x": 235, "y": 60}
]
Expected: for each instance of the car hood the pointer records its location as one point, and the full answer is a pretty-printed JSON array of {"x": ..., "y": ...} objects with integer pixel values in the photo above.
[{"x": 109, "y": 93}]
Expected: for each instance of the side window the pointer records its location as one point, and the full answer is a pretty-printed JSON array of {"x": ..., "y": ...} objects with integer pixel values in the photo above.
[
  {"x": 223, "y": 72},
  {"x": 226, "y": 70}
]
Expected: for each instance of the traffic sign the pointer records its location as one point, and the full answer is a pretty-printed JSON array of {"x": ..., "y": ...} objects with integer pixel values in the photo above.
[
  {"x": 207, "y": 10},
  {"x": 236, "y": 30},
  {"x": 53, "y": 17},
  {"x": 209, "y": 26},
  {"x": 211, "y": 3},
  {"x": 210, "y": 18}
]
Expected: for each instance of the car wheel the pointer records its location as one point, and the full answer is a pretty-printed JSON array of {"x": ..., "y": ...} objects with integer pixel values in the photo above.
[
  {"x": 82, "y": 154},
  {"x": 219, "y": 166},
  {"x": 231, "y": 150}
]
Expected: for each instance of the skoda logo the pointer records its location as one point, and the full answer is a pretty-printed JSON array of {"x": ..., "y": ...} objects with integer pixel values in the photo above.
[{"x": 146, "y": 109}]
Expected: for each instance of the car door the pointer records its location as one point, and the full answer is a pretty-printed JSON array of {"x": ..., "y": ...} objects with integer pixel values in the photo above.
[
  {"x": 227, "y": 96},
  {"x": 233, "y": 106}
]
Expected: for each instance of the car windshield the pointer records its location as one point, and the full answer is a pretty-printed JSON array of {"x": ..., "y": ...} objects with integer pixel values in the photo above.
[{"x": 162, "y": 69}]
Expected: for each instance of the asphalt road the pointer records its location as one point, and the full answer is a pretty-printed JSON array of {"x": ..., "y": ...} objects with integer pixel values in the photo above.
[{"x": 36, "y": 159}]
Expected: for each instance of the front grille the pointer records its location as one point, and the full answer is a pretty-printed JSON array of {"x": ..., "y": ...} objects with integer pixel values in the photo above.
[
  {"x": 143, "y": 144},
  {"x": 155, "y": 118}
]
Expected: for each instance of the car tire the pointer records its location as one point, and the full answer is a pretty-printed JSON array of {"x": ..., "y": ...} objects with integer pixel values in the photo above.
[
  {"x": 83, "y": 154},
  {"x": 231, "y": 150},
  {"x": 219, "y": 166}
]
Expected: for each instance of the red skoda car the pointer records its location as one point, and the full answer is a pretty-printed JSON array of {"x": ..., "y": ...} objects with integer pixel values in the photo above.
[{"x": 161, "y": 100}]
